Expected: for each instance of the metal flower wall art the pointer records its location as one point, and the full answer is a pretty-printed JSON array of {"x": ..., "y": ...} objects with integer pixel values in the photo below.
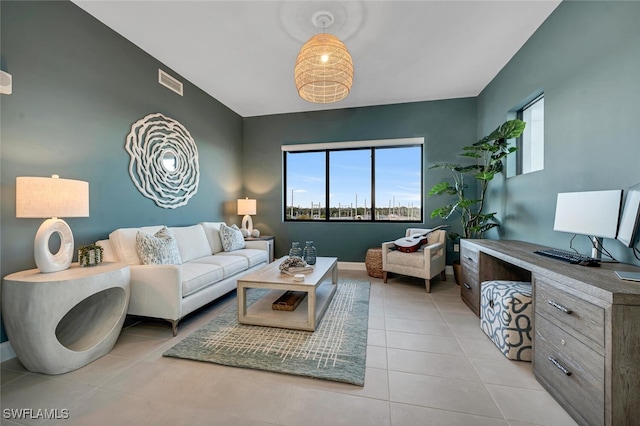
[{"x": 164, "y": 160}]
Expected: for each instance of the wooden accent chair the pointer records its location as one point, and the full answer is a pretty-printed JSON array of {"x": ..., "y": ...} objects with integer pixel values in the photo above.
[{"x": 426, "y": 263}]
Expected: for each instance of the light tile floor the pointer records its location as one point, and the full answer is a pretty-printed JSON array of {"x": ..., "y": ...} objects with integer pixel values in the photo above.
[{"x": 428, "y": 363}]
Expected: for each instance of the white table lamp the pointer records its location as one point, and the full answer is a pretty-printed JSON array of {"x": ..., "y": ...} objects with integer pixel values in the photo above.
[
  {"x": 247, "y": 207},
  {"x": 40, "y": 197}
]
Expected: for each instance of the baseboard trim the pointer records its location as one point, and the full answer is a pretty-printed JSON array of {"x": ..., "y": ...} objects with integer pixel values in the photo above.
[
  {"x": 352, "y": 266},
  {"x": 6, "y": 351}
]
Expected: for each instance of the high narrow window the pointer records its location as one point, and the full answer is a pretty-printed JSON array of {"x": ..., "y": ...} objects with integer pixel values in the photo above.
[
  {"x": 353, "y": 182},
  {"x": 530, "y": 154}
]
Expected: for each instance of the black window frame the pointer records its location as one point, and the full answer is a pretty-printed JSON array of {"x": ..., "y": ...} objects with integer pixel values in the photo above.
[{"x": 327, "y": 207}]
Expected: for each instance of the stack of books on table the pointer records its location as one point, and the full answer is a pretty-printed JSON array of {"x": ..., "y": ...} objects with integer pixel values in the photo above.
[{"x": 298, "y": 270}]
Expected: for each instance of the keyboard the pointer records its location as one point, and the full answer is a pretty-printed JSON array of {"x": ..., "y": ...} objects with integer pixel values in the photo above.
[{"x": 569, "y": 257}]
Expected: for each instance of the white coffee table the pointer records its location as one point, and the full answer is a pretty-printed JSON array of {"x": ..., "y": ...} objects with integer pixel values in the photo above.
[{"x": 320, "y": 286}]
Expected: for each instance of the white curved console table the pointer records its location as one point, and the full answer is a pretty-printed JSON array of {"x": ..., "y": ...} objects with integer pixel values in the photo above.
[{"x": 61, "y": 321}]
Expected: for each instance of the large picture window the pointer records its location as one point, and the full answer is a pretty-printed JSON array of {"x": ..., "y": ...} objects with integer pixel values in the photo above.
[{"x": 348, "y": 181}]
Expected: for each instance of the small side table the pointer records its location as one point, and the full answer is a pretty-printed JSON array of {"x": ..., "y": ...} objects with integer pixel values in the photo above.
[
  {"x": 61, "y": 321},
  {"x": 373, "y": 262},
  {"x": 269, "y": 238}
]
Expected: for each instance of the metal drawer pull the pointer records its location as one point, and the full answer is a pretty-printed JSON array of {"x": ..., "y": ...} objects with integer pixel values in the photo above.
[
  {"x": 469, "y": 258},
  {"x": 467, "y": 286},
  {"x": 560, "y": 307},
  {"x": 560, "y": 366}
]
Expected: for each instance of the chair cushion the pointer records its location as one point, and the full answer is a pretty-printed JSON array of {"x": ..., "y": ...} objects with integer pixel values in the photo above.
[
  {"x": 196, "y": 276},
  {"x": 212, "y": 231},
  {"x": 254, "y": 256},
  {"x": 192, "y": 242},
  {"x": 230, "y": 264},
  {"x": 412, "y": 260}
]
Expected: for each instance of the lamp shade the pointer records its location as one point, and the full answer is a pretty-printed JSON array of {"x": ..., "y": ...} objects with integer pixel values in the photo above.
[
  {"x": 42, "y": 197},
  {"x": 246, "y": 206},
  {"x": 324, "y": 70}
]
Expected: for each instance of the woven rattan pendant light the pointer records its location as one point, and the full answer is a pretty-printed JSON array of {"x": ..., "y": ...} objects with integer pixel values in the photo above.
[{"x": 324, "y": 69}]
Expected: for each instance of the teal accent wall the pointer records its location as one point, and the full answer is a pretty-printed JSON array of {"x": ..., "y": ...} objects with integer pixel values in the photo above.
[
  {"x": 77, "y": 89},
  {"x": 78, "y": 86},
  {"x": 445, "y": 125},
  {"x": 586, "y": 59}
]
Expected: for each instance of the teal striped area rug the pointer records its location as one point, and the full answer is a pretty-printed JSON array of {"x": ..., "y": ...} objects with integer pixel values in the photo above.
[{"x": 336, "y": 351}]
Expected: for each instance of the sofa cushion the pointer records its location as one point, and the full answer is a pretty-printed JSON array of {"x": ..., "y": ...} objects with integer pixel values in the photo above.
[
  {"x": 123, "y": 242},
  {"x": 411, "y": 260},
  {"x": 229, "y": 264},
  {"x": 254, "y": 256},
  {"x": 160, "y": 248},
  {"x": 192, "y": 241},
  {"x": 212, "y": 231},
  {"x": 232, "y": 239},
  {"x": 196, "y": 276}
]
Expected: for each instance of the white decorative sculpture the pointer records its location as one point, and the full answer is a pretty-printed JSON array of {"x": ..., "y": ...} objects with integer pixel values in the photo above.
[{"x": 164, "y": 160}]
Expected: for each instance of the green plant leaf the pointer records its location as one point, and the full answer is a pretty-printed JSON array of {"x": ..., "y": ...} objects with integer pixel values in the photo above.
[
  {"x": 487, "y": 176},
  {"x": 470, "y": 168},
  {"x": 466, "y": 203},
  {"x": 470, "y": 154},
  {"x": 484, "y": 228},
  {"x": 453, "y": 236},
  {"x": 441, "y": 188},
  {"x": 512, "y": 128},
  {"x": 443, "y": 212},
  {"x": 450, "y": 166}
]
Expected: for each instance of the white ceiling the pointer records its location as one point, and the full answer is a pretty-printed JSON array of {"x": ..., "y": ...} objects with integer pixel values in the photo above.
[{"x": 243, "y": 52}]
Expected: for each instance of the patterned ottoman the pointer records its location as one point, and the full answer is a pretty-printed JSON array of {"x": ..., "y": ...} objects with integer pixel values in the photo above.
[{"x": 505, "y": 316}]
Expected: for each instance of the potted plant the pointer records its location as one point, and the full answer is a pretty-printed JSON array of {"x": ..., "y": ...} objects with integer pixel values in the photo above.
[{"x": 486, "y": 155}]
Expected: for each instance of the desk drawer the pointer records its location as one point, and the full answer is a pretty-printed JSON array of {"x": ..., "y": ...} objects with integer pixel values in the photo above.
[
  {"x": 468, "y": 253},
  {"x": 572, "y": 369},
  {"x": 556, "y": 305},
  {"x": 470, "y": 288}
]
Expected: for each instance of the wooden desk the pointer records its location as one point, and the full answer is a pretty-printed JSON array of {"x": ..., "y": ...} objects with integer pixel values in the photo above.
[{"x": 586, "y": 345}]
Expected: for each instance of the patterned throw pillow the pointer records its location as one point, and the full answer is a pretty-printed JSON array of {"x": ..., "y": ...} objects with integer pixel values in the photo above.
[
  {"x": 158, "y": 249},
  {"x": 231, "y": 238}
]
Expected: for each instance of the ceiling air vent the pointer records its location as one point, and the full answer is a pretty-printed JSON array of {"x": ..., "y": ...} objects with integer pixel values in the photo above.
[{"x": 169, "y": 82}]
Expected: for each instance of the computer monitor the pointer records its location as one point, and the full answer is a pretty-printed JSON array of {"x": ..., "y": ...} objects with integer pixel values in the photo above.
[
  {"x": 592, "y": 213},
  {"x": 630, "y": 217}
]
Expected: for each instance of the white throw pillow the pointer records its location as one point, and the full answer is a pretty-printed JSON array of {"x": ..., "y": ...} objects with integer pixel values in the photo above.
[
  {"x": 158, "y": 249},
  {"x": 231, "y": 238}
]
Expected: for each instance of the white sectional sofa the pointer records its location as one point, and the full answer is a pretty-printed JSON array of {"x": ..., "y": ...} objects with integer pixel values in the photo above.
[{"x": 171, "y": 291}]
